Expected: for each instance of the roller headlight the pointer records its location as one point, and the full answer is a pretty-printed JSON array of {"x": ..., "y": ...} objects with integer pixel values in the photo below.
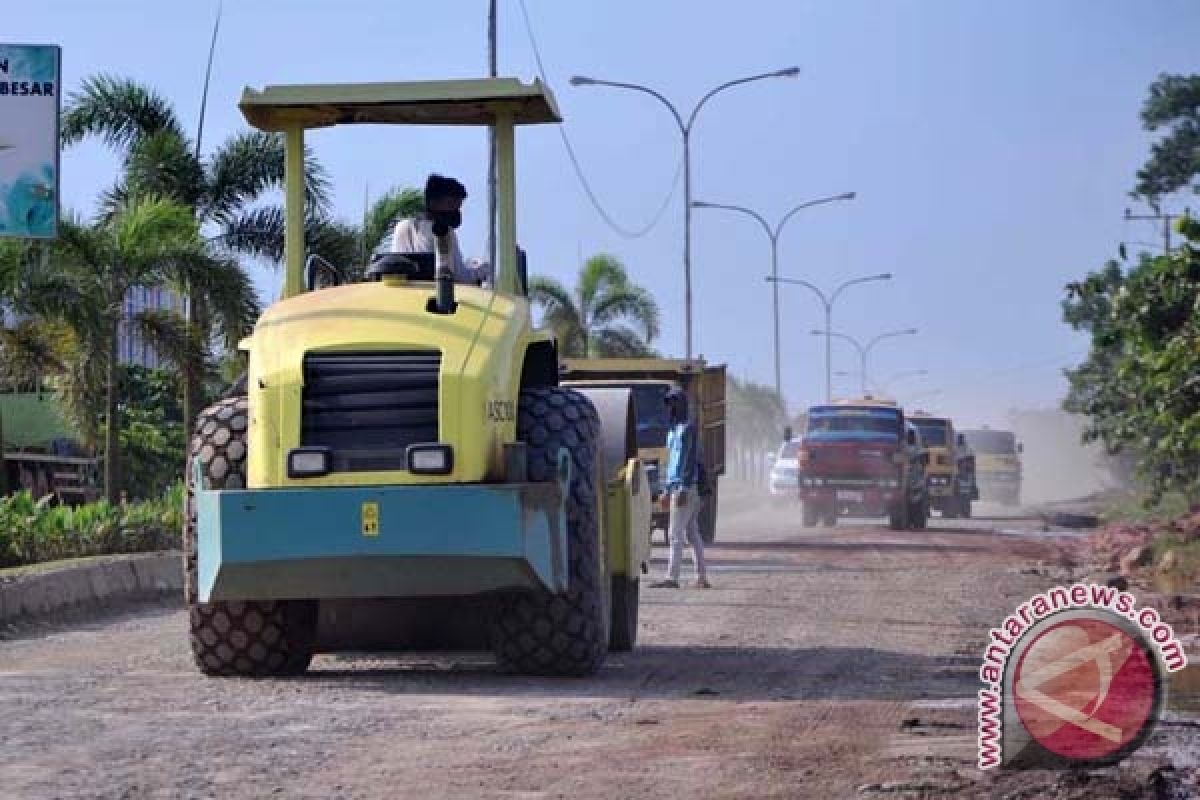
[
  {"x": 430, "y": 459},
  {"x": 309, "y": 462}
]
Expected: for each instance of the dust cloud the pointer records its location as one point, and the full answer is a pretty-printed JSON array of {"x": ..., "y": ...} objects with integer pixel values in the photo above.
[{"x": 1057, "y": 466}]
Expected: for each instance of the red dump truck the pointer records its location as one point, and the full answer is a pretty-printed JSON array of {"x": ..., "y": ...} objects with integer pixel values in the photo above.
[{"x": 862, "y": 458}]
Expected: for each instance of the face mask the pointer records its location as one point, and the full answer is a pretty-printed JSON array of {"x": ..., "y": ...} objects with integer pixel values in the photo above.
[{"x": 444, "y": 221}]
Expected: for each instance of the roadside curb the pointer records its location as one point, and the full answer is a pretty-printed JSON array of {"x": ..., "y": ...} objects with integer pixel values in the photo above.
[{"x": 98, "y": 582}]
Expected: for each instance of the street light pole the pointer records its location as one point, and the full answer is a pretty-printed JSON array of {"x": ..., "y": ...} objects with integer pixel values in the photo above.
[
  {"x": 828, "y": 301},
  {"x": 685, "y": 130},
  {"x": 863, "y": 350},
  {"x": 773, "y": 234}
]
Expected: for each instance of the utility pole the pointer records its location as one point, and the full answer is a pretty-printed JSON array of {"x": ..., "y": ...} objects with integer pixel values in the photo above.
[
  {"x": 1157, "y": 216},
  {"x": 491, "y": 240}
]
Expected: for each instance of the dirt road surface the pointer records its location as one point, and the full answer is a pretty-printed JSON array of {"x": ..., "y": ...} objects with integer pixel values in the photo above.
[{"x": 824, "y": 663}]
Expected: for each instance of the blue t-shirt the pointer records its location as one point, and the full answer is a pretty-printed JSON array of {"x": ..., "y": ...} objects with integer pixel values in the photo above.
[{"x": 681, "y": 456}]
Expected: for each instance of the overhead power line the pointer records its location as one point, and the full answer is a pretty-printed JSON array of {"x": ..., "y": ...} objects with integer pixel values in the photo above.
[{"x": 629, "y": 233}]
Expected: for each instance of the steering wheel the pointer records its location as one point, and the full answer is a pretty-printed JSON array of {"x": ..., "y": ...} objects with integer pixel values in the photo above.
[{"x": 414, "y": 266}]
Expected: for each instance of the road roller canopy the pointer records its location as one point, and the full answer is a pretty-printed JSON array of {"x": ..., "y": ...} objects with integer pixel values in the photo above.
[
  {"x": 498, "y": 103},
  {"x": 461, "y": 102}
]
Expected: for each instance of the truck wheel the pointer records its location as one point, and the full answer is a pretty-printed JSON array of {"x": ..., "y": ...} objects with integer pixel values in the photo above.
[
  {"x": 964, "y": 507},
  {"x": 898, "y": 516},
  {"x": 254, "y": 638},
  {"x": 830, "y": 518},
  {"x": 625, "y": 593},
  {"x": 540, "y": 632},
  {"x": 811, "y": 515},
  {"x": 708, "y": 517}
]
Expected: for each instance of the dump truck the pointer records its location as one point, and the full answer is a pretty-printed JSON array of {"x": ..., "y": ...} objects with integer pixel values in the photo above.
[
  {"x": 951, "y": 470},
  {"x": 650, "y": 379},
  {"x": 862, "y": 458},
  {"x": 404, "y": 470},
  {"x": 997, "y": 464}
]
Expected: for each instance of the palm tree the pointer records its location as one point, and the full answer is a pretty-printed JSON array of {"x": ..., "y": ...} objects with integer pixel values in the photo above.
[
  {"x": 605, "y": 316},
  {"x": 83, "y": 285},
  {"x": 224, "y": 190}
]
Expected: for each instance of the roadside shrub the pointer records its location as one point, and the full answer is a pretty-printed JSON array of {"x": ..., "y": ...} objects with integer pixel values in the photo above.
[
  {"x": 152, "y": 453},
  {"x": 33, "y": 531}
]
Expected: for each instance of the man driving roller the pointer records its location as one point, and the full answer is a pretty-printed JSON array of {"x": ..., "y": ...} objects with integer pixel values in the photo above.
[{"x": 443, "y": 203}]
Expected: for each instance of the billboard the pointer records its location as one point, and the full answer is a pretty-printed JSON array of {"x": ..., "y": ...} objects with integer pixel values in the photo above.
[{"x": 29, "y": 110}]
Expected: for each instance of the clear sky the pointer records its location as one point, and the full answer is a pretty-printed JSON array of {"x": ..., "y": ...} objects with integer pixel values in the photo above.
[{"x": 992, "y": 146}]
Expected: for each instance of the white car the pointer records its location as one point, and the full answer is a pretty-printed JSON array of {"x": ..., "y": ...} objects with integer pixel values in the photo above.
[{"x": 784, "y": 472}]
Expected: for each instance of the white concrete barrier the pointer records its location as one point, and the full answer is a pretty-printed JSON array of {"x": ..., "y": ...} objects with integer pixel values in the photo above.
[{"x": 94, "y": 582}]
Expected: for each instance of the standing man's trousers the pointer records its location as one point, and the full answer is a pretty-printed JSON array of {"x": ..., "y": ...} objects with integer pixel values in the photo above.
[{"x": 684, "y": 525}]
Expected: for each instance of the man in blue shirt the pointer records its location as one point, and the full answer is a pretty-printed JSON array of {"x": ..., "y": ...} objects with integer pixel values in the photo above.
[{"x": 681, "y": 486}]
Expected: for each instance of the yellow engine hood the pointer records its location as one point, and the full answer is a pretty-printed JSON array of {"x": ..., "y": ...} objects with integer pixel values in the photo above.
[{"x": 480, "y": 346}]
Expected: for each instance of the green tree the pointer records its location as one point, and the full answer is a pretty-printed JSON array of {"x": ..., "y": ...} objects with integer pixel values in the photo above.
[
  {"x": 226, "y": 190},
  {"x": 1173, "y": 106},
  {"x": 605, "y": 316},
  {"x": 1140, "y": 384},
  {"x": 83, "y": 285}
]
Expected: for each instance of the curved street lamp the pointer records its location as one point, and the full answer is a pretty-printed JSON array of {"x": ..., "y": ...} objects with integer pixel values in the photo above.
[
  {"x": 828, "y": 300},
  {"x": 685, "y": 129},
  {"x": 773, "y": 234},
  {"x": 863, "y": 350}
]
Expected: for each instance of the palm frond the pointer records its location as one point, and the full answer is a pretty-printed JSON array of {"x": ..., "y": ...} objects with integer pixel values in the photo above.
[
  {"x": 396, "y": 204},
  {"x": 163, "y": 165},
  {"x": 555, "y": 301},
  {"x": 631, "y": 303},
  {"x": 150, "y": 233},
  {"x": 81, "y": 247},
  {"x": 118, "y": 110},
  {"x": 80, "y": 388},
  {"x": 600, "y": 272},
  {"x": 258, "y": 233},
  {"x": 112, "y": 200},
  {"x": 230, "y": 297},
  {"x": 31, "y": 350},
  {"x": 248, "y": 165}
]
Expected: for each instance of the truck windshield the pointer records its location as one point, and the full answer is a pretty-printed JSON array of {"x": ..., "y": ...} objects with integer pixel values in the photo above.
[
  {"x": 933, "y": 432},
  {"x": 838, "y": 423},
  {"x": 992, "y": 442},
  {"x": 649, "y": 402}
]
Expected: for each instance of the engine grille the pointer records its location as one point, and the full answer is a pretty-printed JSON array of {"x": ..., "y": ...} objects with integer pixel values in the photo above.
[{"x": 368, "y": 407}]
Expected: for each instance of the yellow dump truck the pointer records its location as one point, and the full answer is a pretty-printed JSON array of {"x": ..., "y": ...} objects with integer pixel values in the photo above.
[
  {"x": 998, "y": 461},
  {"x": 951, "y": 470},
  {"x": 650, "y": 379}
]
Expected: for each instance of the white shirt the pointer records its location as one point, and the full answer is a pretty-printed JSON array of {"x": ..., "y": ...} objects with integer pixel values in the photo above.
[{"x": 416, "y": 236}]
